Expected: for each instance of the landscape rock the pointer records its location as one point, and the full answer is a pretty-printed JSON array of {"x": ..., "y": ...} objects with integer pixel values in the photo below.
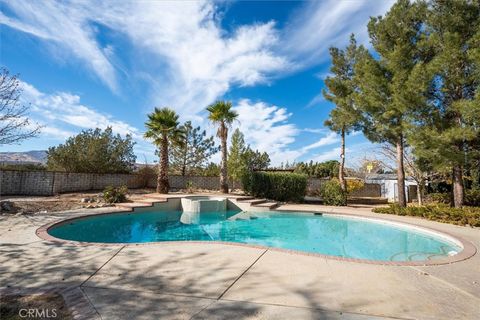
[{"x": 6, "y": 206}]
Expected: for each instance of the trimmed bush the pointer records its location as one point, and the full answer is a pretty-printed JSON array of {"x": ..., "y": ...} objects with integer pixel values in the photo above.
[
  {"x": 115, "y": 195},
  {"x": 439, "y": 197},
  {"x": 278, "y": 186},
  {"x": 439, "y": 212},
  {"x": 472, "y": 197},
  {"x": 332, "y": 194}
]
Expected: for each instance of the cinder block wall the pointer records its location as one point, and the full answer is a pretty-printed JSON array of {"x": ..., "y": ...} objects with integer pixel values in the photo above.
[
  {"x": 45, "y": 183},
  {"x": 26, "y": 182}
]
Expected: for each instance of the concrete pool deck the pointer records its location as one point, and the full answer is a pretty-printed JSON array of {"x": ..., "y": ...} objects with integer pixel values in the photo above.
[{"x": 217, "y": 281}]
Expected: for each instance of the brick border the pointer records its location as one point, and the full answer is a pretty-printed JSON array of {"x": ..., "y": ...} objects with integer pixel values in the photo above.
[
  {"x": 74, "y": 297},
  {"x": 468, "y": 251}
]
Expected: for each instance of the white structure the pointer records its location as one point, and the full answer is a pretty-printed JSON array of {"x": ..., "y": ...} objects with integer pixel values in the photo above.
[
  {"x": 389, "y": 186},
  {"x": 203, "y": 204},
  {"x": 202, "y": 209}
]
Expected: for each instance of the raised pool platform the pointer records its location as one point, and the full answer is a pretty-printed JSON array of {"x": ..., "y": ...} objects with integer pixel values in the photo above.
[{"x": 203, "y": 204}]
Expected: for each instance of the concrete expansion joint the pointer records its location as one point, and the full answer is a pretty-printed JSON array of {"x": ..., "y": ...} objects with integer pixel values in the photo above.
[
  {"x": 92, "y": 306},
  {"x": 451, "y": 285},
  {"x": 242, "y": 274},
  {"x": 202, "y": 309},
  {"x": 96, "y": 271}
]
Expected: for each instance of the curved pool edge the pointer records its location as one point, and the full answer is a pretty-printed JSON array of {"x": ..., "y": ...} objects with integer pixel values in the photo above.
[{"x": 469, "y": 249}]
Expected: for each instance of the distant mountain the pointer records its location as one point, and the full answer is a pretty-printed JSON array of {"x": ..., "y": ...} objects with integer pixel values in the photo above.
[{"x": 34, "y": 156}]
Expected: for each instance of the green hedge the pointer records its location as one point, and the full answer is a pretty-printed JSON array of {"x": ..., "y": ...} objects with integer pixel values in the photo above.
[
  {"x": 278, "y": 186},
  {"x": 332, "y": 194},
  {"x": 439, "y": 212}
]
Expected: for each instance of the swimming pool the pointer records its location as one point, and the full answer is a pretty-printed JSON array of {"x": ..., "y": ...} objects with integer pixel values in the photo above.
[{"x": 307, "y": 232}]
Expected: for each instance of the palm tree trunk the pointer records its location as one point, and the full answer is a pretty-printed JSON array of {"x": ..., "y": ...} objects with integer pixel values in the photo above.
[
  {"x": 223, "y": 170},
  {"x": 402, "y": 200},
  {"x": 162, "y": 180},
  {"x": 341, "y": 169},
  {"x": 458, "y": 190}
]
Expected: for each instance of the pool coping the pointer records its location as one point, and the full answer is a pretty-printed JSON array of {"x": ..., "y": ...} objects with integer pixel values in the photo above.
[{"x": 468, "y": 251}]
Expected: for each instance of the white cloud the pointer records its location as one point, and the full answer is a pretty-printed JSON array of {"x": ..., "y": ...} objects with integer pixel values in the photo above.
[
  {"x": 266, "y": 128},
  {"x": 63, "y": 115},
  {"x": 180, "y": 48},
  {"x": 188, "y": 59},
  {"x": 64, "y": 26},
  {"x": 197, "y": 60},
  {"x": 333, "y": 154},
  {"x": 315, "y": 130},
  {"x": 329, "y": 139},
  {"x": 63, "y": 109},
  {"x": 322, "y": 24},
  {"x": 315, "y": 100}
]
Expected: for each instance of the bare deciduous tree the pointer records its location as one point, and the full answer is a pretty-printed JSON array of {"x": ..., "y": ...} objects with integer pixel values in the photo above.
[
  {"x": 412, "y": 168},
  {"x": 14, "y": 124}
]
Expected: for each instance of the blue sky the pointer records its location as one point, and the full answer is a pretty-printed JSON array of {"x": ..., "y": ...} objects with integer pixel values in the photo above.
[{"x": 86, "y": 64}]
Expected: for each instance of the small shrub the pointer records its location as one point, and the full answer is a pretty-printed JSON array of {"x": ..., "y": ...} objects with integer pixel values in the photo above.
[
  {"x": 278, "y": 186},
  {"x": 189, "y": 186},
  {"x": 437, "y": 212},
  {"x": 472, "y": 197},
  {"x": 332, "y": 194},
  {"x": 354, "y": 185},
  {"x": 115, "y": 194},
  {"x": 439, "y": 197}
]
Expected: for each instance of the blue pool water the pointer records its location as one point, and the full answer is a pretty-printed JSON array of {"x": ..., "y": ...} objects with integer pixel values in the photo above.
[{"x": 330, "y": 235}]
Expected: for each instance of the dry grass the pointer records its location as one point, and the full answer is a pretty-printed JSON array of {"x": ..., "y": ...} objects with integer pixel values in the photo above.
[{"x": 437, "y": 212}]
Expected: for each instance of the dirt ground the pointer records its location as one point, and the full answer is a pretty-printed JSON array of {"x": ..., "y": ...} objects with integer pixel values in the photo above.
[
  {"x": 72, "y": 201},
  {"x": 61, "y": 202},
  {"x": 49, "y": 305}
]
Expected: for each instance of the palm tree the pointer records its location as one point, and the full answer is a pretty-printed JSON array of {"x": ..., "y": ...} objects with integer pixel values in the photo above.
[
  {"x": 221, "y": 114},
  {"x": 163, "y": 128}
]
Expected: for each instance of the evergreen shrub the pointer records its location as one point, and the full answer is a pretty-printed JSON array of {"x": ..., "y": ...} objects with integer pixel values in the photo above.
[
  {"x": 332, "y": 194},
  {"x": 280, "y": 186}
]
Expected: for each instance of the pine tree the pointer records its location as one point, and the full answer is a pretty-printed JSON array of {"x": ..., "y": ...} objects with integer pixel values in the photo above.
[
  {"x": 389, "y": 89},
  {"x": 255, "y": 160},
  {"x": 449, "y": 135},
  {"x": 193, "y": 152},
  {"x": 241, "y": 157},
  {"x": 235, "y": 155},
  {"x": 340, "y": 88}
]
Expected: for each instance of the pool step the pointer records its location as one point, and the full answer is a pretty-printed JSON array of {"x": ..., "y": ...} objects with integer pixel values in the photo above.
[
  {"x": 258, "y": 203},
  {"x": 252, "y": 201},
  {"x": 267, "y": 205},
  {"x": 244, "y": 198},
  {"x": 155, "y": 196},
  {"x": 151, "y": 200},
  {"x": 132, "y": 205}
]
